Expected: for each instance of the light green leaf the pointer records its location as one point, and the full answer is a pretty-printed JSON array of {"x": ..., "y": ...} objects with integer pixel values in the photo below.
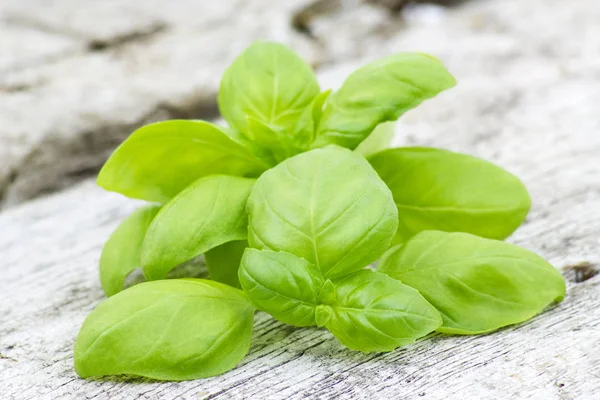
[
  {"x": 378, "y": 92},
  {"x": 273, "y": 142},
  {"x": 377, "y": 141},
  {"x": 323, "y": 314},
  {"x": 285, "y": 286},
  {"x": 223, "y": 262},
  {"x": 317, "y": 107},
  {"x": 441, "y": 190},
  {"x": 159, "y": 160},
  {"x": 121, "y": 253},
  {"x": 210, "y": 212},
  {"x": 378, "y": 313},
  {"x": 167, "y": 330},
  {"x": 477, "y": 284},
  {"x": 327, "y": 206},
  {"x": 274, "y": 86}
]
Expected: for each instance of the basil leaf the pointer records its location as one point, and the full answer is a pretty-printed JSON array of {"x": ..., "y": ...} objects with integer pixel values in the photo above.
[
  {"x": 208, "y": 213},
  {"x": 168, "y": 330},
  {"x": 121, "y": 253},
  {"x": 376, "y": 313},
  {"x": 441, "y": 190},
  {"x": 159, "y": 160},
  {"x": 378, "y": 140},
  {"x": 327, "y": 206},
  {"x": 378, "y": 92},
  {"x": 477, "y": 284},
  {"x": 285, "y": 286},
  {"x": 273, "y": 85},
  {"x": 277, "y": 145},
  {"x": 223, "y": 262},
  {"x": 317, "y": 107}
]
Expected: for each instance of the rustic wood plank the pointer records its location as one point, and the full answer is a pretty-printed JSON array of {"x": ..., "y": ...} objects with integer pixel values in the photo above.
[{"x": 527, "y": 99}]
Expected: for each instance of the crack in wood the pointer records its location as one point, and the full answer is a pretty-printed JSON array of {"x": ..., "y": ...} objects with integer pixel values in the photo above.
[
  {"x": 302, "y": 19},
  {"x": 580, "y": 272}
]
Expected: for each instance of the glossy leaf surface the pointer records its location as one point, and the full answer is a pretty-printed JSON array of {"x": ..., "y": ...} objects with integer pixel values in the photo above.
[
  {"x": 167, "y": 330},
  {"x": 285, "y": 286},
  {"x": 379, "y": 92},
  {"x": 442, "y": 190},
  {"x": 327, "y": 206},
  {"x": 273, "y": 86},
  {"x": 210, "y": 212},
  {"x": 159, "y": 160},
  {"x": 377, "y": 313},
  {"x": 478, "y": 285}
]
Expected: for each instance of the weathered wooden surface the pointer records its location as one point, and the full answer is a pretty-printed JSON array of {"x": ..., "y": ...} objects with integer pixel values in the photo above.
[
  {"x": 527, "y": 99},
  {"x": 76, "y": 79}
]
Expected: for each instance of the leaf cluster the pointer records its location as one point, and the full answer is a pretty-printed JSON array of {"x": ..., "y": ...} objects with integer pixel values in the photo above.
[{"x": 290, "y": 204}]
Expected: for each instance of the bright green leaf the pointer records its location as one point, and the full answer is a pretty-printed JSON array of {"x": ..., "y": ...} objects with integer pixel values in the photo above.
[
  {"x": 327, "y": 206},
  {"x": 323, "y": 314},
  {"x": 168, "y": 330},
  {"x": 441, "y": 190},
  {"x": 285, "y": 286},
  {"x": 327, "y": 294},
  {"x": 272, "y": 85},
  {"x": 377, "y": 313},
  {"x": 223, "y": 262},
  {"x": 377, "y": 141},
  {"x": 477, "y": 284},
  {"x": 159, "y": 160},
  {"x": 379, "y": 92},
  {"x": 208, "y": 213},
  {"x": 273, "y": 142},
  {"x": 317, "y": 107},
  {"x": 121, "y": 253}
]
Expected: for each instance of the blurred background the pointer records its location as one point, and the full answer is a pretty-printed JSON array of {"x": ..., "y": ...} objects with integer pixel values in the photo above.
[{"x": 77, "y": 77}]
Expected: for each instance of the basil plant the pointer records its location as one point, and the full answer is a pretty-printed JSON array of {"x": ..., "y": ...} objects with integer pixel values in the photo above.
[{"x": 289, "y": 204}]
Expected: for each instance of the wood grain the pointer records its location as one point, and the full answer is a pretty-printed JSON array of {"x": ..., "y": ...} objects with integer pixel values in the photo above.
[{"x": 527, "y": 100}]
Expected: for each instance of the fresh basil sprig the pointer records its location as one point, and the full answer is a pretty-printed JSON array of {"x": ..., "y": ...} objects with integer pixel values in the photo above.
[
  {"x": 364, "y": 310},
  {"x": 284, "y": 205}
]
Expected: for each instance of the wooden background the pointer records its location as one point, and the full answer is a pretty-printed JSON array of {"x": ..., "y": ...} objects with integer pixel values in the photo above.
[{"x": 528, "y": 99}]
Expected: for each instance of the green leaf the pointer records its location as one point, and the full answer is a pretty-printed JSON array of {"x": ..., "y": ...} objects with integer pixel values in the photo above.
[
  {"x": 441, "y": 190},
  {"x": 210, "y": 212},
  {"x": 223, "y": 262},
  {"x": 377, "y": 313},
  {"x": 276, "y": 144},
  {"x": 327, "y": 206},
  {"x": 377, "y": 141},
  {"x": 317, "y": 107},
  {"x": 285, "y": 286},
  {"x": 272, "y": 85},
  {"x": 323, "y": 314},
  {"x": 159, "y": 160},
  {"x": 121, "y": 253},
  {"x": 477, "y": 284},
  {"x": 167, "y": 330},
  {"x": 378, "y": 92}
]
